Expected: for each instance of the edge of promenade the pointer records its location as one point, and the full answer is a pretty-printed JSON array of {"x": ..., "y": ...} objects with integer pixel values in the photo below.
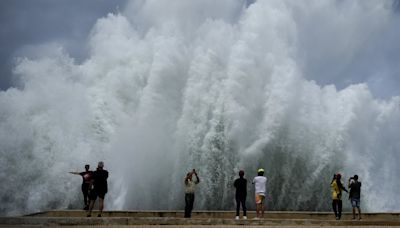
[{"x": 124, "y": 218}]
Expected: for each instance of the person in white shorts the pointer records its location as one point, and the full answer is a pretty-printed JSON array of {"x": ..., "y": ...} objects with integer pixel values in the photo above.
[{"x": 260, "y": 185}]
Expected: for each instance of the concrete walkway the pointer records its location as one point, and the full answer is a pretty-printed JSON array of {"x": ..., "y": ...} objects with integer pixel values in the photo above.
[
  {"x": 181, "y": 226},
  {"x": 222, "y": 219}
]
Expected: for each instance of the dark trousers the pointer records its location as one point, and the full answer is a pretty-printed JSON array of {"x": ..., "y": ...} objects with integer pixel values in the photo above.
[
  {"x": 337, "y": 208},
  {"x": 189, "y": 201},
  {"x": 85, "y": 192},
  {"x": 241, "y": 200}
]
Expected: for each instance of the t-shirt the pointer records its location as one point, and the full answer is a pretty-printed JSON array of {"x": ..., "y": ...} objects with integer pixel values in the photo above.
[
  {"x": 241, "y": 187},
  {"x": 260, "y": 184},
  {"x": 86, "y": 177},
  {"x": 355, "y": 190},
  {"x": 100, "y": 179}
]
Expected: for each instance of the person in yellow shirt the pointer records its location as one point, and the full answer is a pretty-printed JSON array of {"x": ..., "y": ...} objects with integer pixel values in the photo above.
[{"x": 337, "y": 187}]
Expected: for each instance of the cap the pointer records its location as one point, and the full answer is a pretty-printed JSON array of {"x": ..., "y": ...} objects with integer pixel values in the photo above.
[{"x": 260, "y": 170}]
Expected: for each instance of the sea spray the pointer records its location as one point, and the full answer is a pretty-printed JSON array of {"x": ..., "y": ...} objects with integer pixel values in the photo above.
[{"x": 219, "y": 87}]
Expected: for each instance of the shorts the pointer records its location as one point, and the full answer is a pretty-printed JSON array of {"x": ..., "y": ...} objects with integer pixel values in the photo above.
[
  {"x": 97, "y": 193},
  {"x": 259, "y": 198},
  {"x": 355, "y": 202}
]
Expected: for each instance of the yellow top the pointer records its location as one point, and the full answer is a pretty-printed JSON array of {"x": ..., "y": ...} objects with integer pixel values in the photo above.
[{"x": 336, "y": 191}]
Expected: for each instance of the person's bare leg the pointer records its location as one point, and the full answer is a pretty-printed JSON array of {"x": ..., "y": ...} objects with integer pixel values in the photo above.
[
  {"x": 91, "y": 205},
  {"x": 101, "y": 206},
  {"x": 258, "y": 210},
  {"x": 354, "y": 213},
  {"x": 262, "y": 210},
  {"x": 359, "y": 213}
]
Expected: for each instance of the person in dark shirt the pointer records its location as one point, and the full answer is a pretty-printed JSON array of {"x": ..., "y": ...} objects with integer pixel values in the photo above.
[
  {"x": 241, "y": 192},
  {"x": 355, "y": 195},
  {"x": 86, "y": 183},
  {"x": 99, "y": 188}
]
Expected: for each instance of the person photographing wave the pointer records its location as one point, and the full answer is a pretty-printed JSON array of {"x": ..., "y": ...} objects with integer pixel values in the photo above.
[
  {"x": 260, "y": 186},
  {"x": 355, "y": 195},
  {"x": 191, "y": 180}
]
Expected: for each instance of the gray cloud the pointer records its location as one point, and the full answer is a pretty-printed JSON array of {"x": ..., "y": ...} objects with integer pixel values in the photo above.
[
  {"x": 343, "y": 47},
  {"x": 25, "y": 24}
]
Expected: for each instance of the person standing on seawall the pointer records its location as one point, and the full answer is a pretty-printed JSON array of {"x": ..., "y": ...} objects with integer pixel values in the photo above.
[
  {"x": 241, "y": 192},
  {"x": 190, "y": 187},
  {"x": 260, "y": 185},
  {"x": 337, "y": 187},
  {"x": 99, "y": 188},
  {"x": 355, "y": 195},
  {"x": 86, "y": 183}
]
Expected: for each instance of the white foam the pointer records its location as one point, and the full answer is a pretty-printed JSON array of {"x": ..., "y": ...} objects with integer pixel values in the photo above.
[{"x": 219, "y": 87}]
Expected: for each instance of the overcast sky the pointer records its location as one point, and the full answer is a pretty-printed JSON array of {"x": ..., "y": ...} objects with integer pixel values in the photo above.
[{"x": 26, "y": 24}]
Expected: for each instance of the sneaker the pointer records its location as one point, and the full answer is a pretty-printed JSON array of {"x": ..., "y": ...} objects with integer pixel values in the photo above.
[
  {"x": 244, "y": 217},
  {"x": 237, "y": 217},
  {"x": 88, "y": 215},
  {"x": 99, "y": 215},
  {"x": 256, "y": 218}
]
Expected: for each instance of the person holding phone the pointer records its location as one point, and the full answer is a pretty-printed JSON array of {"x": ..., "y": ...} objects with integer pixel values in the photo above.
[
  {"x": 355, "y": 195},
  {"x": 260, "y": 187},
  {"x": 191, "y": 180}
]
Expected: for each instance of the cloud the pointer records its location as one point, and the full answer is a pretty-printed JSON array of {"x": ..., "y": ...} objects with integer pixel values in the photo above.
[
  {"x": 344, "y": 43},
  {"x": 26, "y": 24}
]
